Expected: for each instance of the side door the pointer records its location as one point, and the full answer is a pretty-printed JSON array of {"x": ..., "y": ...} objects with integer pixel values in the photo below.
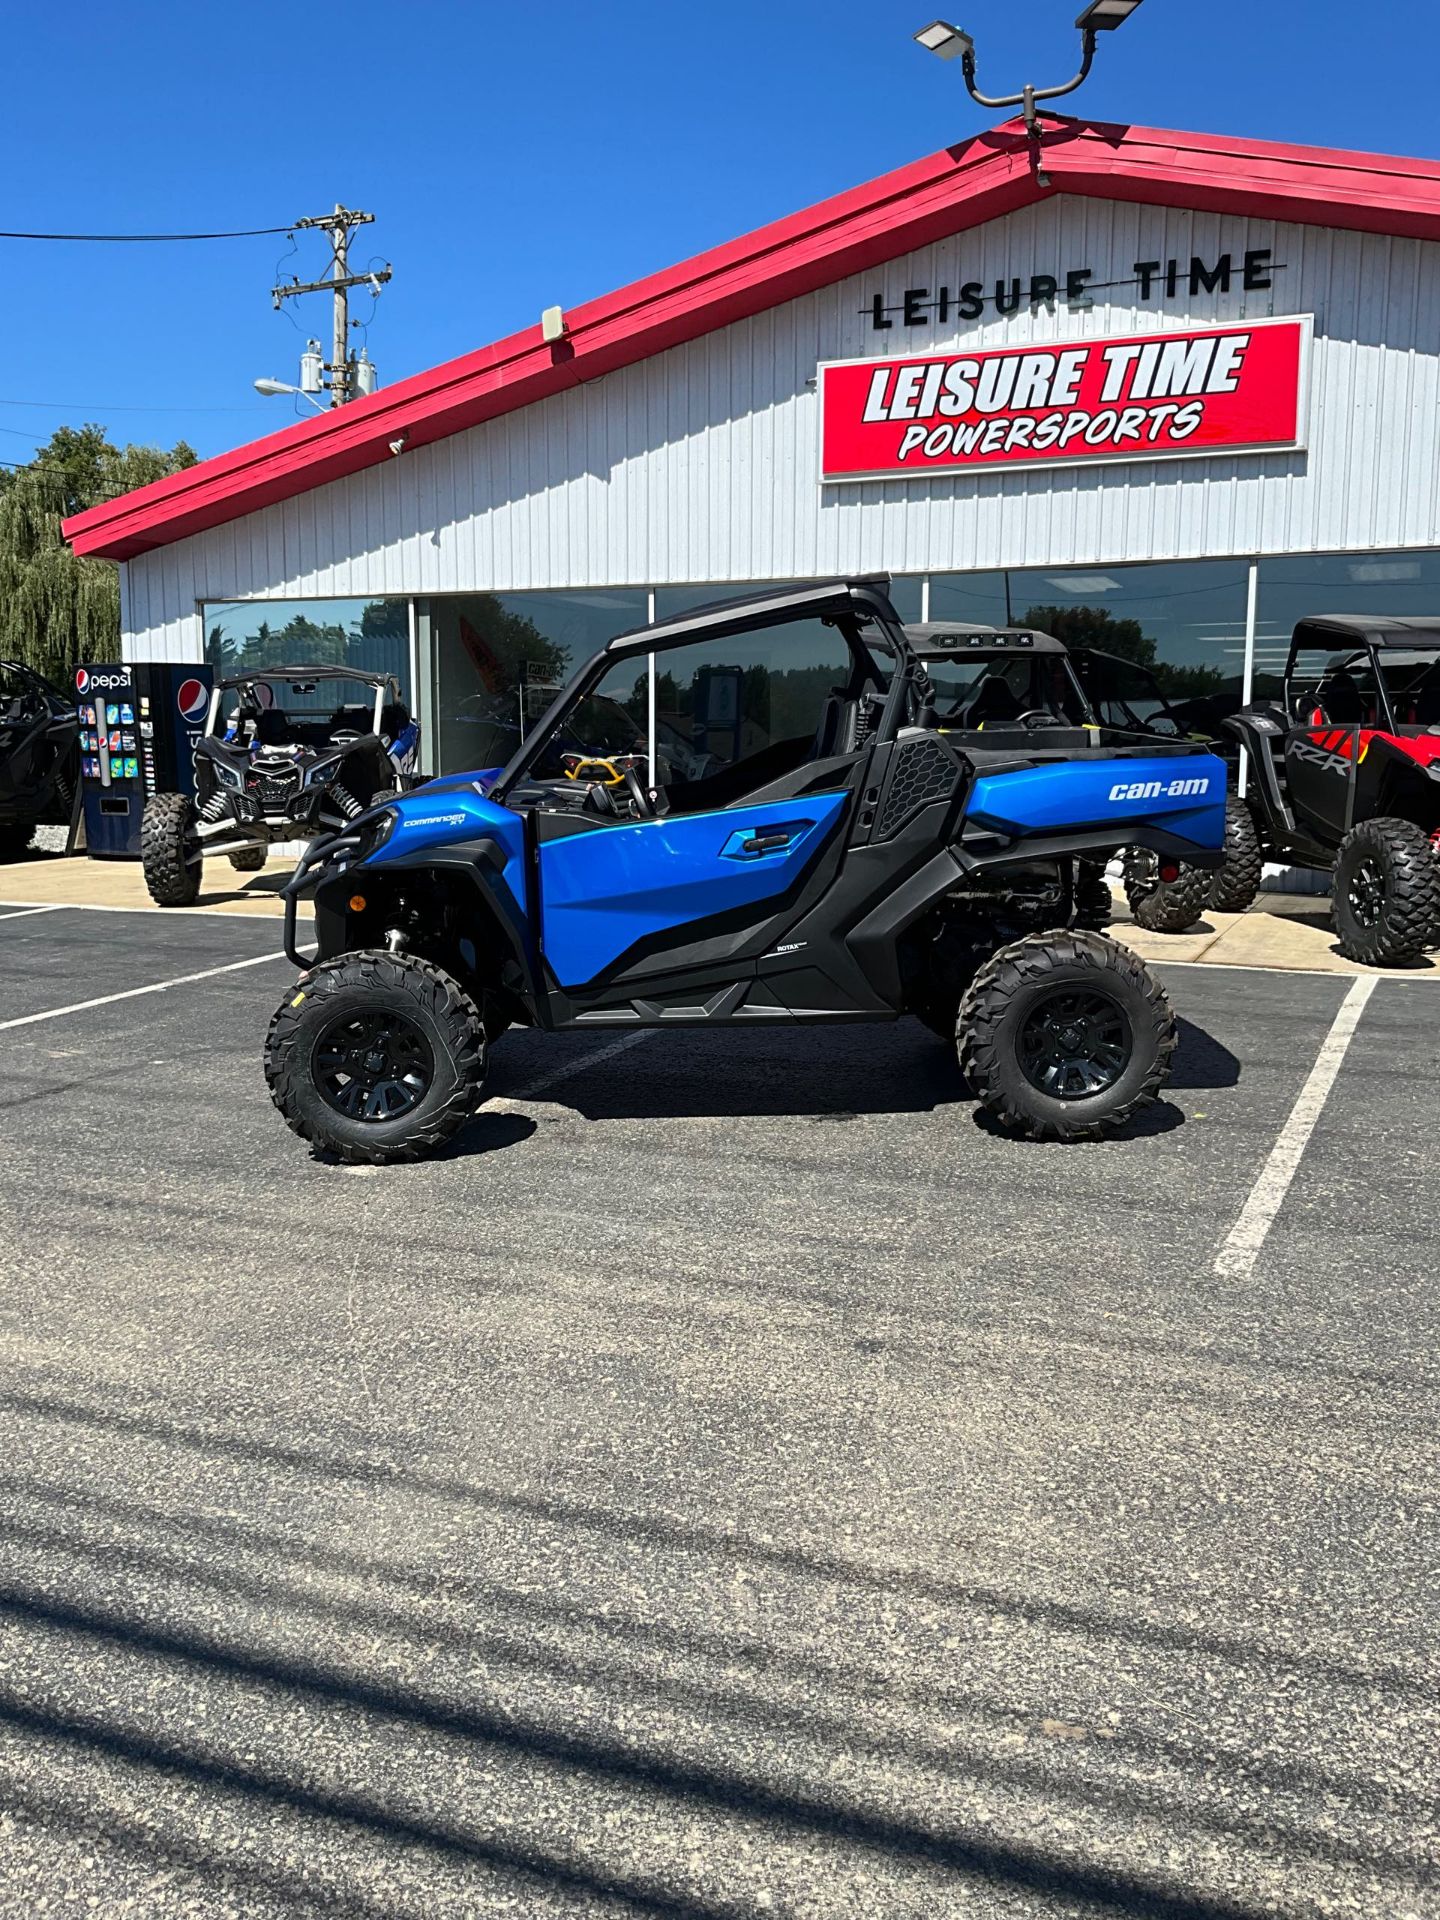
[
  {"x": 1322, "y": 750},
  {"x": 750, "y": 742}
]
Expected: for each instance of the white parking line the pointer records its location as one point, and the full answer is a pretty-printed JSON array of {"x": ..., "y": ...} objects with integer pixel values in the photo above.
[
  {"x": 164, "y": 913},
  {"x": 28, "y": 910},
  {"x": 1243, "y": 1243},
  {"x": 134, "y": 993}
]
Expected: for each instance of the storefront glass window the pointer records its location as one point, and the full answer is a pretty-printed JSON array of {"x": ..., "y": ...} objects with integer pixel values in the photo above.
[
  {"x": 1295, "y": 585},
  {"x": 1173, "y": 635},
  {"x": 499, "y": 659},
  {"x": 371, "y": 635}
]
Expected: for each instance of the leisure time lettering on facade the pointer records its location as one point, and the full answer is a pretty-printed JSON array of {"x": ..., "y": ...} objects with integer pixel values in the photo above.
[
  {"x": 1251, "y": 273},
  {"x": 1207, "y": 390}
]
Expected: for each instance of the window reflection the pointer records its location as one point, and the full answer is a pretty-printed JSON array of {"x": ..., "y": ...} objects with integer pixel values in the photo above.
[
  {"x": 500, "y": 659},
  {"x": 373, "y": 636}
]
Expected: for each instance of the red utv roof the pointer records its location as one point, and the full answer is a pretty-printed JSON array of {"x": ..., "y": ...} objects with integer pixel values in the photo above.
[{"x": 961, "y": 187}]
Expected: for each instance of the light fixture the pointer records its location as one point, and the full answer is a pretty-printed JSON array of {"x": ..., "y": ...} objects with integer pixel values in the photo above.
[
  {"x": 950, "y": 43},
  {"x": 272, "y": 387},
  {"x": 400, "y": 442},
  {"x": 1103, "y": 16},
  {"x": 945, "y": 41}
]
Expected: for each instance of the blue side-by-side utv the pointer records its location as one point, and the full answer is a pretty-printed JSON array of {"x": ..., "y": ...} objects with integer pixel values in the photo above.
[{"x": 787, "y": 808}]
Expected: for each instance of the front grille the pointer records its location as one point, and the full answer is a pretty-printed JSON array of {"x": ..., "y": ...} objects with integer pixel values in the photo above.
[
  {"x": 274, "y": 785},
  {"x": 922, "y": 770}
]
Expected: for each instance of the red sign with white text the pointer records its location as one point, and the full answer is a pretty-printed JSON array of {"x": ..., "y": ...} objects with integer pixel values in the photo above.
[{"x": 1137, "y": 396}]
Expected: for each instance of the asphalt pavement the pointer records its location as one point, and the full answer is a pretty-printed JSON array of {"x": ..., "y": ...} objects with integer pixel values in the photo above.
[{"x": 732, "y": 1480}]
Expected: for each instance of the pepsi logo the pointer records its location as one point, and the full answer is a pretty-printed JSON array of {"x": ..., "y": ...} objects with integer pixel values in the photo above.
[
  {"x": 191, "y": 699},
  {"x": 85, "y": 680}
]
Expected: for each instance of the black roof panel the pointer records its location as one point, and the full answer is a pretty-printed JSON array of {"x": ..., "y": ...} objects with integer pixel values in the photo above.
[{"x": 1368, "y": 629}]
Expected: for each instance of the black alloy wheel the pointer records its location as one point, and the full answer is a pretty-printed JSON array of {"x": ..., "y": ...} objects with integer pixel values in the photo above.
[
  {"x": 1074, "y": 1044},
  {"x": 373, "y": 1066},
  {"x": 1366, "y": 894}
]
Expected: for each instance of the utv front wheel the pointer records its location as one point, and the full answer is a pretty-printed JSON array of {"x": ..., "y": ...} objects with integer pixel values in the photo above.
[
  {"x": 169, "y": 851},
  {"x": 249, "y": 859},
  {"x": 376, "y": 1057},
  {"x": 1063, "y": 1035},
  {"x": 1386, "y": 900},
  {"x": 1160, "y": 905},
  {"x": 1235, "y": 886}
]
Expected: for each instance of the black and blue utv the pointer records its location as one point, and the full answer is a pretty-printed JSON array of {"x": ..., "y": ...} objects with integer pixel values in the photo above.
[{"x": 781, "y": 809}]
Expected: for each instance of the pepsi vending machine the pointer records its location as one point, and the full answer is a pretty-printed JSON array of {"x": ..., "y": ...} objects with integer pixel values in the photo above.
[{"x": 138, "y": 726}]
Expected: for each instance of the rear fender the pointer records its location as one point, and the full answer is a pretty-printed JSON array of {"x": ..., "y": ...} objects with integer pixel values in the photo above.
[
  {"x": 1261, "y": 732},
  {"x": 1096, "y": 806}
]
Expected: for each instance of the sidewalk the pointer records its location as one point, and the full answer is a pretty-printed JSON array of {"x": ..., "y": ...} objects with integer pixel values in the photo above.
[
  {"x": 46, "y": 880},
  {"x": 1281, "y": 930}
]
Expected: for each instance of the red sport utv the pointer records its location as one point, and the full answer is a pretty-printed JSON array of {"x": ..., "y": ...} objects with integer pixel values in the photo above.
[{"x": 1344, "y": 775}]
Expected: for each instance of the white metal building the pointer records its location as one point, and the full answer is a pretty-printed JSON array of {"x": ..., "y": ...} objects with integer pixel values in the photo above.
[{"x": 529, "y": 500}]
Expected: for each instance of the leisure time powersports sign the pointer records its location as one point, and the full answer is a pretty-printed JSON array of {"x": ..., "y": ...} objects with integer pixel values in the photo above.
[{"x": 1134, "y": 396}]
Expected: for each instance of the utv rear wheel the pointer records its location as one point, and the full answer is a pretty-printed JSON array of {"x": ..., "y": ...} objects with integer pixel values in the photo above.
[
  {"x": 15, "y": 840},
  {"x": 169, "y": 850},
  {"x": 249, "y": 859},
  {"x": 1163, "y": 906},
  {"x": 1235, "y": 886},
  {"x": 1386, "y": 899},
  {"x": 376, "y": 1057},
  {"x": 1063, "y": 1035}
]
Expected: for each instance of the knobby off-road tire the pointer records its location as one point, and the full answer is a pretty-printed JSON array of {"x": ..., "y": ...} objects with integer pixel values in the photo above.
[
  {"x": 15, "y": 840},
  {"x": 1386, "y": 896},
  {"x": 1163, "y": 906},
  {"x": 1041, "y": 984},
  {"x": 1235, "y": 886},
  {"x": 348, "y": 996},
  {"x": 1094, "y": 908},
  {"x": 170, "y": 859},
  {"x": 249, "y": 859}
]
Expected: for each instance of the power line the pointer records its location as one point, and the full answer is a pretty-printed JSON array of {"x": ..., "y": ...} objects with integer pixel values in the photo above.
[
  {"x": 242, "y": 233},
  {"x": 116, "y": 406}
]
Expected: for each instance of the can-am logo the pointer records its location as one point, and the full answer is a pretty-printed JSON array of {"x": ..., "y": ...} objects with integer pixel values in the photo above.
[
  {"x": 1158, "y": 789},
  {"x": 85, "y": 680}
]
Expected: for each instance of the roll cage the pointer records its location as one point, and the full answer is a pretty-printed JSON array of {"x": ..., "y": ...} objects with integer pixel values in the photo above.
[
  {"x": 303, "y": 679},
  {"x": 859, "y": 608},
  {"x": 1353, "y": 640}
]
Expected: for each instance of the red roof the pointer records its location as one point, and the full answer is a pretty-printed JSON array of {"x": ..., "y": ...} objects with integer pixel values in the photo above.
[{"x": 926, "y": 201}]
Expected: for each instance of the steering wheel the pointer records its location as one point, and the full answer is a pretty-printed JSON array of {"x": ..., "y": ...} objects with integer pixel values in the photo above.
[
  {"x": 1038, "y": 717},
  {"x": 639, "y": 798}
]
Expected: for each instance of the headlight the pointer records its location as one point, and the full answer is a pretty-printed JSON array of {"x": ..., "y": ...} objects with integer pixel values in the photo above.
[
  {"x": 375, "y": 833},
  {"x": 327, "y": 769},
  {"x": 228, "y": 777}
]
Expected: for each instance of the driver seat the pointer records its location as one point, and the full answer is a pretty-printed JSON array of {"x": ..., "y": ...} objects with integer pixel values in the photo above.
[
  {"x": 993, "y": 703},
  {"x": 271, "y": 728}
]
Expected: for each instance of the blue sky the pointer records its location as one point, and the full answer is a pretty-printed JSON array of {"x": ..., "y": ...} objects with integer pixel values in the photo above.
[{"x": 522, "y": 156}]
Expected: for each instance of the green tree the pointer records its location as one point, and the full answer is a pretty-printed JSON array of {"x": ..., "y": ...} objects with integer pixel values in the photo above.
[
  {"x": 55, "y": 608},
  {"x": 1127, "y": 639},
  {"x": 1094, "y": 627}
]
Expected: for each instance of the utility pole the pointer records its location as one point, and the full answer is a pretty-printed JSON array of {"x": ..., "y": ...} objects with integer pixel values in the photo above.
[{"x": 338, "y": 282}]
